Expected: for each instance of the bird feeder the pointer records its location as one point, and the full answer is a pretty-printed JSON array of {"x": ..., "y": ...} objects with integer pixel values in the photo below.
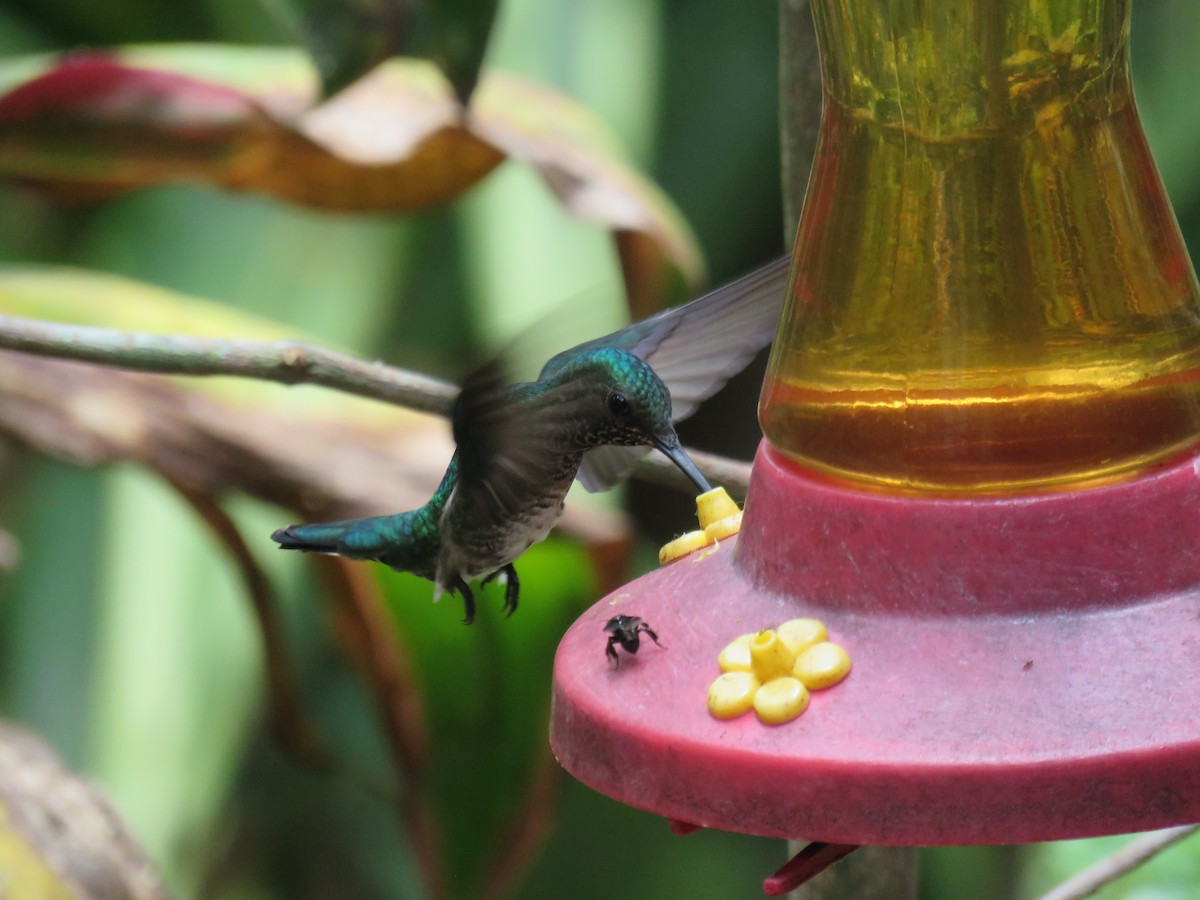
[{"x": 980, "y": 469}]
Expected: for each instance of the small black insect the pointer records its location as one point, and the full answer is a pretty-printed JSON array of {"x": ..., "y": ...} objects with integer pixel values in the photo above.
[{"x": 626, "y": 631}]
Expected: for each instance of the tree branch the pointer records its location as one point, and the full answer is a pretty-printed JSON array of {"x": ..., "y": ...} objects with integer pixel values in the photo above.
[
  {"x": 290, "y": 363},
  {"x": 1136, "y": 853},
  {"x": 285, "y": 362}
]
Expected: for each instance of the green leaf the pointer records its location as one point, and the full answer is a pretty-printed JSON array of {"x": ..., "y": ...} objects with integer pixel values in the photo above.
[
  {"x": 485, "y": 785},
  {"x": 461, "y": 29},
  {"x": 348, "y": 38},
  {"x": 65, "y": 294}
]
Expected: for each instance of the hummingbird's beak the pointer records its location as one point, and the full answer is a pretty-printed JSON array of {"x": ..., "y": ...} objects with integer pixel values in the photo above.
[{"x": 673, "y": 450}]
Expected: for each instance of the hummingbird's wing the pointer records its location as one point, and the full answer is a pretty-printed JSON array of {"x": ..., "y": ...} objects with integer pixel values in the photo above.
[
  {"x": 694, "y": 349},
  {"x": 605, "y": 466},
  {"x": 509, "y": 440}
]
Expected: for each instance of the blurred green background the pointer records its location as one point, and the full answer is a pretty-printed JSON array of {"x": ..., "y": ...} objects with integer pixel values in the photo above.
[{"x": 124, "y": 635}]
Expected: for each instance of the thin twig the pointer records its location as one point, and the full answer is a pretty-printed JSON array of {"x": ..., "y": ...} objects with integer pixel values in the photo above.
[
  {"x": 286, "y": 362},
  {"x": 290, "y": 363},
  {"x": 1131, "y": 856}
]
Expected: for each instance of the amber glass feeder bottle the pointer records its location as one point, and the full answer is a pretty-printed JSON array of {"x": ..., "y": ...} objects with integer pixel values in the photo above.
[
  {"x": 990, "y": 292},
  {"x": 980, "y": 469}
]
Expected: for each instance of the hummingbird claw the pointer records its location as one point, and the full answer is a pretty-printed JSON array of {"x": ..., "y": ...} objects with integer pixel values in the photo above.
[
  {"x": 468, "y": 600},
  {"x": 512, "y": 587}
]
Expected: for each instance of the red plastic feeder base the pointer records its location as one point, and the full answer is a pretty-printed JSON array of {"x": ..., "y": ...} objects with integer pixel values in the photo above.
[{"x": 1025, "y": 669}]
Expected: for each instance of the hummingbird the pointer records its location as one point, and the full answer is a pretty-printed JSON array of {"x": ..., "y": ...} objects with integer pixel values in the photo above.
[{"x": 593, "y": 411}]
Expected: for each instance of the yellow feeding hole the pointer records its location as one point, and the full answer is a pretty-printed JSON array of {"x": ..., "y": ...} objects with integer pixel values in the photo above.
[
  {"x": 732, "y": 694},
  {"x": 822, "y": 665},
  {"x": 736, "y": 655},
  {"x": 769, "y": 657},
  {"x": 723, "y": 528},
  {"x": 714, "y": 505},
  {"x": 800, "y": 634},
  {"x": 719, "y": 517},
  {"x": 780, "y": 700},
  {"x": 682, "y": 546},
  {"x": 773, "y": 671}
]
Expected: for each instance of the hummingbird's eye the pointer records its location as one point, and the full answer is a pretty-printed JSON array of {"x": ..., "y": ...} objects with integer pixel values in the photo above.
[{"x": 618, "y": 404}]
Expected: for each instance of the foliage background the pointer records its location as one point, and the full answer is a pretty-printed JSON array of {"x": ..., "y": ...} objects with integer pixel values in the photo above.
[{"x": 124, "y": 638}]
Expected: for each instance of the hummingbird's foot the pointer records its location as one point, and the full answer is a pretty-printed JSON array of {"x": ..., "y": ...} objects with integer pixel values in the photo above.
[
  {"x": 512, "y": 587},
  {"x": 468, "y": 599}
]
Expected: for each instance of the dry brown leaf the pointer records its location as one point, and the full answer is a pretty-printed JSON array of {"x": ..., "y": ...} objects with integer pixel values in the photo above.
[
  {"x": 59, "y": 837},
  {"x": 94, "y": 125}
]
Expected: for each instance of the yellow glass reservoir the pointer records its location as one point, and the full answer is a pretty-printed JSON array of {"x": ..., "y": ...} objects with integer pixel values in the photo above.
[{"x": 989, "y": 290}]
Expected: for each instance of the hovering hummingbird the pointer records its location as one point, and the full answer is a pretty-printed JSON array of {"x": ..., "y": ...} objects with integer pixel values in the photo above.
[{"x": 591, "y": 414}]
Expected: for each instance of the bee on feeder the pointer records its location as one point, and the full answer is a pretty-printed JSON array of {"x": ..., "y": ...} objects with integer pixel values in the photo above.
[{"x": 626, "y": 631}]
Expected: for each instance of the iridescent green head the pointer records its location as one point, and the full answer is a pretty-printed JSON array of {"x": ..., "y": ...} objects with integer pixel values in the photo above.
[{"x": 617, "y": 398}]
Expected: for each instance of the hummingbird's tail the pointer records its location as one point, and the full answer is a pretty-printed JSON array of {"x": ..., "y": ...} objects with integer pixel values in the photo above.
[
  {"x": 406, "y": 541},
  {"x": 322, "y": 537}
]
